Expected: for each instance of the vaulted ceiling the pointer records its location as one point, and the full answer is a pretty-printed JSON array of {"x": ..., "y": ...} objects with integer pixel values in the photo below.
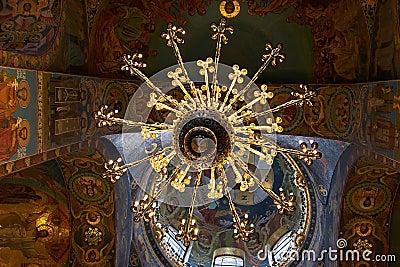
[{"x": 349, "y": 50}]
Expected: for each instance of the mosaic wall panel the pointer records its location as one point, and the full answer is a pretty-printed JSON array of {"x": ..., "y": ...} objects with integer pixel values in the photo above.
[
  {"x": 45, "y": 35},
  {"x": 394, "y": 245},
  {"x": 333, "y": 207},
  {"x": 385, "y": 47},
  {"x": 30, "y": 33},
  {"x": 34, "y": 218},
  {"x": 366, "y": 206},
  {"x": 72, "y": 55},
  {"x": 125, "y": 252},
  {"x": 334, "y": 114},
  {"x": 25, "y": 24},
  {"x": 72, "y": 101},
  {"x": 19, "y": 116},
  {"x": 92, "y": 6},
  {"x": 92, "y": 209},
  {"x": 380, "y": 125},
  {"x": 340, "y": 53},
  {"x": 42, "y": 112}
]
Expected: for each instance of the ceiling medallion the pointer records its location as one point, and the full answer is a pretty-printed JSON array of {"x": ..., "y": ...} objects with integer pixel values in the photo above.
[
  {"x": 229, "y": 9},
  {"x": 203, "y": 147}
]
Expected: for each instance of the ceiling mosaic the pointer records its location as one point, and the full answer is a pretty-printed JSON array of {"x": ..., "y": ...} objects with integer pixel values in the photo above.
[
  {"x": 92, "y": 209},
  {"x": 34, "y": 218},
  {"x": 29, "y": 26},
  {"x": 61, "y": 213},
  {"x": 90, "y": 36},
  {"x": 367, "y": 207},
  {"x": 334, "y": 48}
]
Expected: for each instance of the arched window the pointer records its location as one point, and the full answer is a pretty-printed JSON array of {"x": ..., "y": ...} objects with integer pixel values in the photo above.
[
  {"x": 173, "y": 247},
  {"x": 228, "y": 257},
  {"x": 283, "y": 248}
]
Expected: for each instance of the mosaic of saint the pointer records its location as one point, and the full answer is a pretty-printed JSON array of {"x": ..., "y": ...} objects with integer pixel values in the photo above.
[{"x": 15, "y": 126}]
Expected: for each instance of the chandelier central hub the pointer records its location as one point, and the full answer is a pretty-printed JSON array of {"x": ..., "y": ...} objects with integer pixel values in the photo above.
[
  {"x": 199, "y": 142},
  {"x": 202, "y": 138}
]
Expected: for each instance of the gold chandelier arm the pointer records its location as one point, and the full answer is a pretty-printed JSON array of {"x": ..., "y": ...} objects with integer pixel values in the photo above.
[
  {"x": 207, "y": 87},
  {"x": 114, "y": 171},
  {"x": 250, "y": 149},
  {"x": 268, "y": 150},
  {"x": 130, "y": 65},
  {"x": 228, "y": 194},
  {"x": 188, "y": 230},
  {"x": 260, "y": 96},
  {"x": 220, "y": 36},
  {"x": 240, "y": 227},
  {"x": 236, "y": 171},
  {"x": 234, "y": 116},
  {"x": 172, "y": 41},
  {"x": 262, "y": 142},
  {"x": 215, "y": 190},
  {"x": 181, "y": 181},
  {"x": 196, "y": 186},
  {"x": 268, "y": 58},
  {"x": 142, "y": 209},
  {"x": 280, "y": 201},
  {"x": 301, "y": 153},
  {"x": 216, "y": 62},
  {"x": 104, "y": 119},
  {"x": 269, "y": 128},
  {"x": 242, "y": 165},
  {"x": 212, "y": 179},
  {"x": 268, "y": 147},
  {"x": 160, "y": 162},
  {"x": 165, "y": 184},
  {"x": 177, "y": 81},
  {"x": 127, "y": 166},
  {"x": 152, "y": 133},
  {"x": 205, "y": 68},
  {"x": 160, "y": 105},
  {"x": 173, "y": 175},
  {"x": 306, "y": 97},
  {"x": 235, "y": 77}
]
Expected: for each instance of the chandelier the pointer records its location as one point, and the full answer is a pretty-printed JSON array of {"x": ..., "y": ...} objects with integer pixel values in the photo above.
[{"x": 209, "y": 131}]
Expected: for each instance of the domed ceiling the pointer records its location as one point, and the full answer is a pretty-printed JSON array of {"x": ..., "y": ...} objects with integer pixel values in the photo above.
[
  {"x": 215, "y": 219},
  {"x": 298, "y": 230}
]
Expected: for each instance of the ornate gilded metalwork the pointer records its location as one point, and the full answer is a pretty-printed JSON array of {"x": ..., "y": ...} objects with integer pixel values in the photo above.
[
  {"x": 229, "y": 9},
  {"x": 211, "y": 128},
  {"x": 93, "y": 236},
  {"x": 188, "y": 230},
  {"x": 362, "y": 245}
]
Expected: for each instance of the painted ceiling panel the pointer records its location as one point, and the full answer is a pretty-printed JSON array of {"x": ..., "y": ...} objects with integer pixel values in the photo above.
[
  {"x": 29, "y": 26},
  {"x": 35, "y": 218},
  {"x": 321, "y": 44}
]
